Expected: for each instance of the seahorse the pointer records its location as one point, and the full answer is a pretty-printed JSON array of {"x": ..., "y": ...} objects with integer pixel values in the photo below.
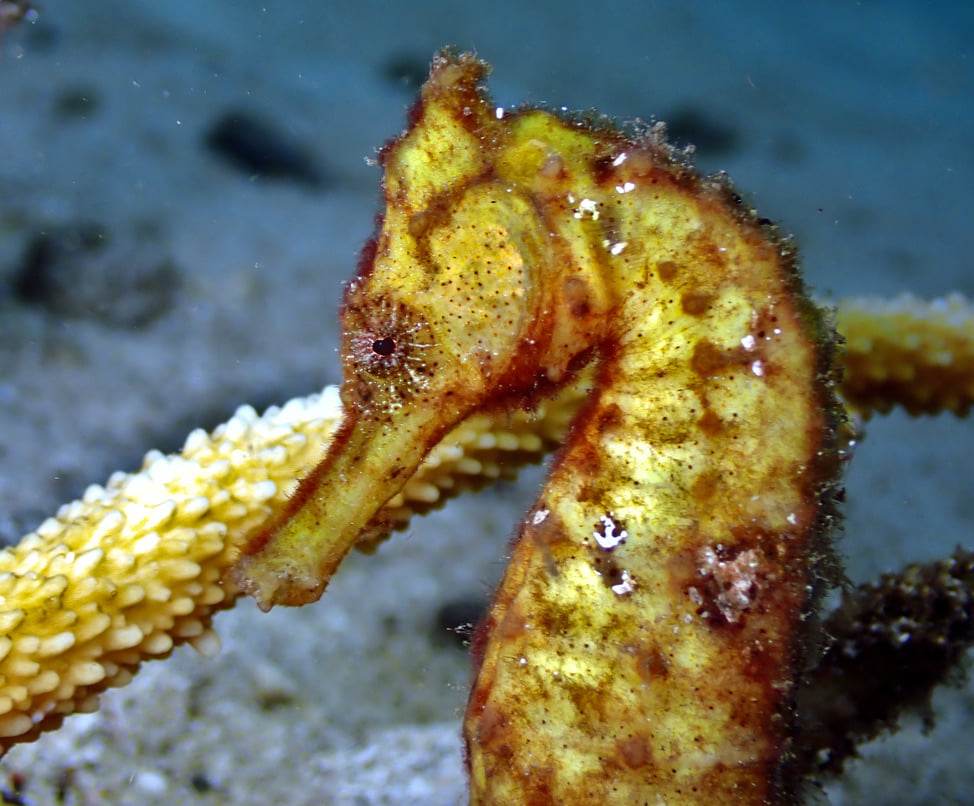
[{"x": 645, "y": 642}]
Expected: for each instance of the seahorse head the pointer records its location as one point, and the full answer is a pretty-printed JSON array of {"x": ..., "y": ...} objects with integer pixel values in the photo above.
[
  {"x": 464, "y": 300},
  {"x": 464, "y": 296}
]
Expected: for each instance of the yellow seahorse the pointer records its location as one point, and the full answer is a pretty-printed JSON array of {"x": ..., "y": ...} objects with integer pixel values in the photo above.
[{"x": 646, "y": 637}]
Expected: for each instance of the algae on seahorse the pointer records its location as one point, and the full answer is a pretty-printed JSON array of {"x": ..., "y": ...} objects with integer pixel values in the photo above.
[{"x": 648, "y": 634}]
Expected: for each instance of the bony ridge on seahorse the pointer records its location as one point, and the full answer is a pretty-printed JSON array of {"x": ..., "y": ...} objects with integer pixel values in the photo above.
[{"x": 645, "y": 640}]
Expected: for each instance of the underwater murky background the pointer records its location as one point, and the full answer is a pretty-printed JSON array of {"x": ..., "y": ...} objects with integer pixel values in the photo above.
[{"x": 154, "y": 274}]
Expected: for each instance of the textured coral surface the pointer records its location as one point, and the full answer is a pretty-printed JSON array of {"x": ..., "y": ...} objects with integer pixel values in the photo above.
[{"x": 909, "y": 352}]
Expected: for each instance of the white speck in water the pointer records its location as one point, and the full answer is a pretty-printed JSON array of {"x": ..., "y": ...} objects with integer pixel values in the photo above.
[
  {"x": 748, "y": 342},
  {"x": 499, "y": 112},
  {"x": 792, "y": 519},
  {"x": 758, "y": 368},
  {"x": 613, "y": 534},
  {"x": 522, "y": 661},
  {"x": 617, "y": 248},
  {"x": 626, "y": 187},
  {"x": 619, "y": 160},
  {"x": 539, "y": 516},
  {"x": 625, "y": 587}
]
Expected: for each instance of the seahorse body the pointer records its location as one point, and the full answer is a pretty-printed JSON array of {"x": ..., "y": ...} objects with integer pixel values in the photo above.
[{"x": 644, "y": 643}]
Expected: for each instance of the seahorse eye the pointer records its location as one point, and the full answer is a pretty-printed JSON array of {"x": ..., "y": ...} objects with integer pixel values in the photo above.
[{"x": 384, "y": 347}]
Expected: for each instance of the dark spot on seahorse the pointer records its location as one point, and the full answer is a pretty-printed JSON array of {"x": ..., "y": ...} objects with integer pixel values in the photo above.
[
  {"x": 606, "y": 567},
  {"x": 420, "y": 224},
  {"x": 396, "y": 472},
  {"x": 603, "y": 170},
  {"x": 704, "y": 252},
  {"x": 651, "y": 665},
  {"x": 553, "y": 620},
  {"x": 588, "y": 699},
  {"x": 582, "y": 360},
  {"x": 667, "y": 270},
  {"x": 586, "y": 457},
  {"x": 710, "y": 423},
  {"x": 696, "y": 303},
  {"x": 590, "y": 492},
  {"x": 538, "y": 785},
  {"x": 635, "y": 752},
  {"x": 609, "y": 418},
  {"x": 513, "y": 624},
  {"x": 709, "y": 359},
  {"x": 577, "y": 297},
  {"x": 705, "y": 486},
  {"x": 491, "y": 729}
]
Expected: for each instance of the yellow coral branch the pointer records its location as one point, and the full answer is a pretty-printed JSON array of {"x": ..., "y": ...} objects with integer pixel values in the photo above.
[
  {"x": 908, "y": 352},
  {"x": 136, "y": 567}
]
